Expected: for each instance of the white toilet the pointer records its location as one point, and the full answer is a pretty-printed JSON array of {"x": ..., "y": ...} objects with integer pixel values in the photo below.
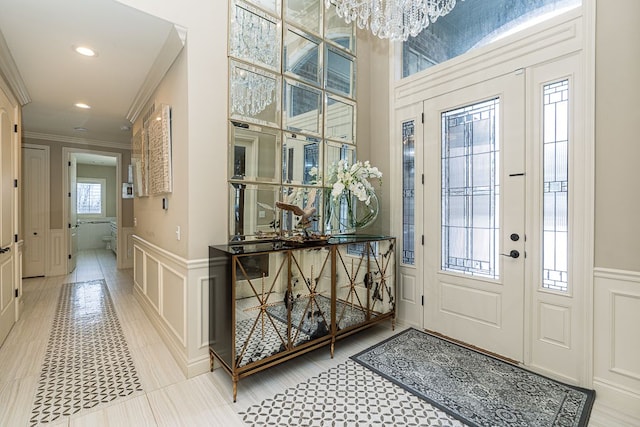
[{"x": 107, "y": 240}]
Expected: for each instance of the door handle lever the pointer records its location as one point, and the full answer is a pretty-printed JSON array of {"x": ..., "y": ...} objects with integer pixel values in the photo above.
[
  {"x": 512, "y": 254},
  {"x": 3, "y": 250}
]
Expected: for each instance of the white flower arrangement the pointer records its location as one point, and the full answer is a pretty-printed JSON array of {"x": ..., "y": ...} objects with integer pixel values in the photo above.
[{"x": 353, "y": 178}]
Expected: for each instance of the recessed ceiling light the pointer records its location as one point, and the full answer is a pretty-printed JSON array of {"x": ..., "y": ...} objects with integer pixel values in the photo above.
[
  {"x": 82, "y": 105},
  {"x": 86, "y": 51},
  {"x": 80, "y": 129}
]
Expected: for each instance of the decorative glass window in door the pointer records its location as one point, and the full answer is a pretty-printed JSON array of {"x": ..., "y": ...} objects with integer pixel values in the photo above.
[
  {"x": 471, "y": 189},
  {"x": 555, "y": 235},
  {"x": 408, "y": 192}
]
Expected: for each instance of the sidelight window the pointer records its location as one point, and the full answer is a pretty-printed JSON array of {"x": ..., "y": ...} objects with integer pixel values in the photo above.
[{"x": 556, "y": 186}]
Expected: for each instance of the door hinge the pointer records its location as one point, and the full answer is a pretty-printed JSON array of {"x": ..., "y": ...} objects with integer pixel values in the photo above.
[
  {"x": 69, "y": 256},
  {"x": 15, "y": 128},
  {"x": 69, "y": 225},
  {"x": 422, "y": 117},
  {"x": 422, "y": 240},
  {"x": 69, "y": 195},
  {"x": 15, "y": 238},
  {"x": 17, "y": 293},
  {"x": 422, "y": 179},
  {"x": 69, "y": 163},
  {"x": 15, "y": 183},
  {"x": 422, "y": 299}
]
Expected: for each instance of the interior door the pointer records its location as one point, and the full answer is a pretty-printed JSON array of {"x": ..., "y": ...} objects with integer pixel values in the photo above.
[
  {"x": 34, "y": 185},
  {"x": 474, "y": 207},
  {"x": 8, "y": 279},
  {"x": 73, "y": 213}
]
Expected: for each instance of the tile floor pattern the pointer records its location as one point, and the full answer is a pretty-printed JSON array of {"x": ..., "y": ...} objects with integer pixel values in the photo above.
[
  {"x": 347, "y": 395},
  {"x": 87, "y": 360}
]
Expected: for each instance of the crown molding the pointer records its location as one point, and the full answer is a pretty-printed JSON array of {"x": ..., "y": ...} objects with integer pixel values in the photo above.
[
  {"x": 168, "y": 53},
  {"x": 11, "y": 74},
  {"x": 75, "y": 140}
]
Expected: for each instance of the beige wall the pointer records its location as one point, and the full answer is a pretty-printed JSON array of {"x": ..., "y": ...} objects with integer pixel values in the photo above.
[
  {"x": 199, "y": 135},
  {"x": 56, "y": 173},
  {"x": 617, "y": 213},
  {"x": 154, "y": 224},
  {"x": 108, "y": 173}
]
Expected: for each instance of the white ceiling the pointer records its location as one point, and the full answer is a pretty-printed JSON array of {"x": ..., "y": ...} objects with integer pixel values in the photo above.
[{"x": 40, "y": 35}]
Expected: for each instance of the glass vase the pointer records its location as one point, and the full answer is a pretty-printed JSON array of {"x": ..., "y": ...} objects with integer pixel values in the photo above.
[{"x": 347, "y": 214}]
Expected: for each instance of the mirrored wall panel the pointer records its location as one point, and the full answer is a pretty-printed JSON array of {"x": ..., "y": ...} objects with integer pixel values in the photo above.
[
  {"x": 340, "y": 69},
  {"x": 338, "y": 31},
  {"x": 253, "y": 211},
  {"x": 254, "y": 153},
  {"x": 272, "y": 6},
  {"x": 302, "y": 108},
  {"x": 254, "y": 36},
  {"x": 255, "y": 94},
  {"x": 340, "y": 122},
  {"x": 334, "y": 152},
  {"x": 306, "y": 14},
  {"x": 301, "y": 160},
  {"x": 302, "y": 56}
]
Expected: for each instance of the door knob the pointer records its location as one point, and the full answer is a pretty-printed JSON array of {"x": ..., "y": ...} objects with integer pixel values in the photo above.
[
  {"x": 512, "y": 254},
  {"x": 35, "y": 233}
]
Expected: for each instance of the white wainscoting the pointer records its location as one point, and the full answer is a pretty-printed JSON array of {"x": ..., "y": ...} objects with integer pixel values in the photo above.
[
  {"x": 57, "y": 262},
  {"x": 125, "y": 247},
  {"x": 616, "y": 352},
  {"x": 174, "y": 293}
]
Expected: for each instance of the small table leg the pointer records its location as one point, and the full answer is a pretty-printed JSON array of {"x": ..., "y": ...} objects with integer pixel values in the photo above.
[{"x": 235, "y": 389}]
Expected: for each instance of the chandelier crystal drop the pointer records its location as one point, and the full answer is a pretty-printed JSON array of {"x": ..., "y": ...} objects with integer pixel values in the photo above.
[{"x": 392, "y": 19}]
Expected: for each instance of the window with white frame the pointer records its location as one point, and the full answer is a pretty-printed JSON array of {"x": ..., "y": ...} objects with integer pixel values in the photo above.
[{"x": 90, "y": 197}]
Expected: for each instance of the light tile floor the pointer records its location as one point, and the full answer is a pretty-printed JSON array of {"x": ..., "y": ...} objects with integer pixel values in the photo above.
[{"x": 169, "y": 399}]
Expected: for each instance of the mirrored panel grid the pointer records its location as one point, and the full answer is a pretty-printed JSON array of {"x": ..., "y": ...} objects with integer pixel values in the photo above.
[
  {"x": 254, "y": 94},
  {"x": 340, "y": 72},
  {"x": 254, "y": 153},
  {"x": 254, "y": 36},
  {"x": 301, "y": 210},
  {"x": 302, "y": 108},
  {"x": 340, "y": 119},
  {"x": 301, "y": 160},
  {"x": 302, "y": 56},
  {"x": 338, "y": 31},
  {"x": 272, "y": 6},
  {"x": 253, "y": 211},
  {"x": 306, "y": 14}
]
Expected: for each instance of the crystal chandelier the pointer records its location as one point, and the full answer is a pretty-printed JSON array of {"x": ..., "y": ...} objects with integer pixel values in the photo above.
[{"x": 392, "y": 19}]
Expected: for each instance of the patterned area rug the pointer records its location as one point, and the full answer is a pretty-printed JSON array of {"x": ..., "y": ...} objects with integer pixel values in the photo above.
[
  {"x": 347, "y": 395},
  {"x": 474, "y": 388},
  {"x": 87, "y": 362}
]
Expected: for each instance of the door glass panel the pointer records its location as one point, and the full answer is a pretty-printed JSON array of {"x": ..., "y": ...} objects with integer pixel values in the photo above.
[
  {"x": 556, "y": 186},
  {"x": 471, "y": 190},
  {"x": 408, "y": 192}
]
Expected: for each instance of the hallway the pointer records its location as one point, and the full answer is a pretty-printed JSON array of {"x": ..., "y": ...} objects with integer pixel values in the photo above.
[{"x": 167, "y": 397}]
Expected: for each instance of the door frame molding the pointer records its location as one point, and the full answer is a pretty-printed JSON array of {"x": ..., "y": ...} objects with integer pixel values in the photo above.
[
  {"x": 563, "y": 35},
  {"x": 66, "y": 153},
  {"x": 47, "y": 202}
]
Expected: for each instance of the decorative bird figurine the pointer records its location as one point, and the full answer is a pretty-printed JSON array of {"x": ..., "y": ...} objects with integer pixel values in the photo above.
[{"x": 304, "y": 214}]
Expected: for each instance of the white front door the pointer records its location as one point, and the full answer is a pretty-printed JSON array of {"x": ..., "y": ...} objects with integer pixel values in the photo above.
[
  {"x": 8, "y": 278},
  {"x": 474, "y": 204},
  {"x": 35, "y": 183}
]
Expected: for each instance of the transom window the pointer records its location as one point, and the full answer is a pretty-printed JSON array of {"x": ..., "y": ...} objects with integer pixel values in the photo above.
[
  {"x": 90, "y": 197},
  {"x": 472, "y": 24}
]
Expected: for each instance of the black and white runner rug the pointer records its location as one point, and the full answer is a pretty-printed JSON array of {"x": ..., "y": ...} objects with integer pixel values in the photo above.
[{"x": 87, "y": 361}]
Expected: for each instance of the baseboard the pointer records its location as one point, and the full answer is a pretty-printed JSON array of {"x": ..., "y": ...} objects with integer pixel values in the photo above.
[{"x": 606, "y": 416}]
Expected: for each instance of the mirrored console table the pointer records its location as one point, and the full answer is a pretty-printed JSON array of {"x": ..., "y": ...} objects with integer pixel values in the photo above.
[{"x": 271, "y": 301}]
